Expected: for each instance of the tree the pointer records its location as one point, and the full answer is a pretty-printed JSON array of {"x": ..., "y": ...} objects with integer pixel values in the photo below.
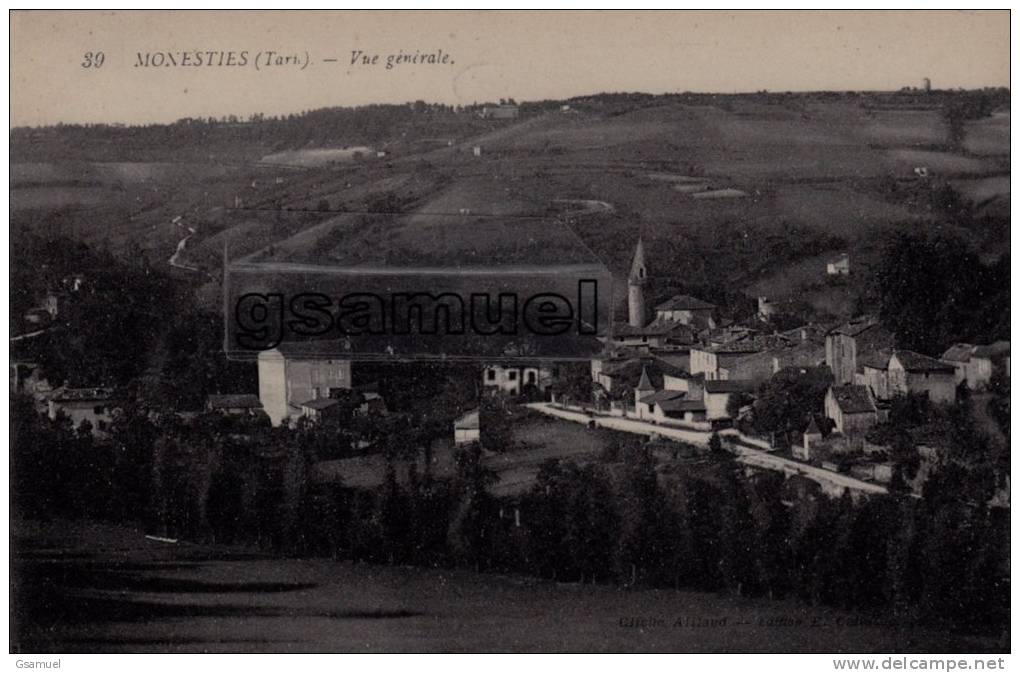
[
  {"x": 932, "y": 291},
  {"x": 785, "y": 403}
]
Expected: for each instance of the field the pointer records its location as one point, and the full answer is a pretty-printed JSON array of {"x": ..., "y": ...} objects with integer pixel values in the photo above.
[
  {"x": 90, "y": 587},
  {"x": 536, "y": 438},
  {"x": 801, "y": 179}
]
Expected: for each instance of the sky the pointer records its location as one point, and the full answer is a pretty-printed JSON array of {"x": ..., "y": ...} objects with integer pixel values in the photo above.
[{"x": 526, "y": 55}]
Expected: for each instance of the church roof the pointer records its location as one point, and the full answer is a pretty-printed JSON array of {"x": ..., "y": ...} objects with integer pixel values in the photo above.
[{"x": 644, "y": 383}]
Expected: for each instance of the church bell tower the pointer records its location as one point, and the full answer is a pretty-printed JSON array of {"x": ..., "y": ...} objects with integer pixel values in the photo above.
[{"x": 636, "y": 282}]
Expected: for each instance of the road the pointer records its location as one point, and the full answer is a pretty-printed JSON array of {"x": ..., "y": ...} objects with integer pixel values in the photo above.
[{"x": 833, "y": 483}]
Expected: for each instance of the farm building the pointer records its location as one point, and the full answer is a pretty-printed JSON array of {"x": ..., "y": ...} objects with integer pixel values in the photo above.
[{"x": 851, "y": 408}]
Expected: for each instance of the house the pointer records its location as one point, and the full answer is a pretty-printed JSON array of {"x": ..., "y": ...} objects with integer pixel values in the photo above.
[
  {"x": 874, "y": 373},
  {"x": 92, "y": 405},
  {"x": 667, "y": 405},
  {"x": 753, "y": 357},
  {"x": 766, "y": 308},
  {"x": 712, "y": 361},
  {"x": 851, "y": 408},
  {"x": 913, "y": 373},
  {"x": 295, "y": 372},
  {"x": 846, "y": 343},
  {"x": 234, "y": 405},
  {"x": 319, "y": 408},
  {"x": 717, "y": 396},
  {"x": 958, "y": 355},
  {"x": 26, "y": 377},
  {"x": 674, "y": 407},
  {"x": 501, "y": 111},
  {"x": 371, "y": 403},
  {"x": 687, "y": 310},
  {"x": 515, "y": 379},
  {"x": 839, "y": 266},
  {"x": 467, "y": 428},
  {"x": 656, "y": 335},
  {"x": 976, "y": 364},
  {"x": 476, "y": 150},
  {"x": 984, "y": 360},
  {"x": 620, "y": 374}
]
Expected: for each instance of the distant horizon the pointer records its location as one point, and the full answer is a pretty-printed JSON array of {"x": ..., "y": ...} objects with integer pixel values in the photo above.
[
  {"x": 245, "y": 117},
  {"x": 464, "y": 57}
]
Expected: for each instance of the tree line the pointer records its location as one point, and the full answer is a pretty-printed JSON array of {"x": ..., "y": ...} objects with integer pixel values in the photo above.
[{"x": 624, "y": 519}]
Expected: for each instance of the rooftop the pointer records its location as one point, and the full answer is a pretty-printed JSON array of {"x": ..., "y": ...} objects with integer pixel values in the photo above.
[
  {"x": 663, "y": 396},
  {"x": 855, "y": 326},
  {"x": 915, "y": 362},
  {"x": 853, "y": 399},
  {"x": 468, "y": 421},
  {"x": 959, "y": 353},
  {"x": 876, "y": 359},
  {"x": 728, "y": 386},
  {"x": 683, "y": 302},
  {"x": 320, "y": 403},
  {"x": 82, "y": 394},
  {"x": 992, "y": 350},
  {"x": 234, "y": 401}
]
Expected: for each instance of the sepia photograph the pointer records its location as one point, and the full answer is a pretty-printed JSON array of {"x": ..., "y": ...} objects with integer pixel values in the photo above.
[{"x": 515, "y": 331}]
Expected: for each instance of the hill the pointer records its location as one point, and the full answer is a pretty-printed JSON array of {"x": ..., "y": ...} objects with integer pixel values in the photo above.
[{"x": 748, "y": 193}]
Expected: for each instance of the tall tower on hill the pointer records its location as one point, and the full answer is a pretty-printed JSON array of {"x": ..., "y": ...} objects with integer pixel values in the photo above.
[{"x": 636, "y": 287}]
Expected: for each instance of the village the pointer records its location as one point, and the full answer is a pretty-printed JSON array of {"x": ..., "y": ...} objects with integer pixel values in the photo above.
[
  {"x": 677, "y": 371},
  {"x": 801, "y": 396}
]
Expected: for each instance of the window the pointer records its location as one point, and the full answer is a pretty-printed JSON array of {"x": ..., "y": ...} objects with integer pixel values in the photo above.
[
  {"x": 98, "y": 409},
  {"x": 511, "y": 375},
  {"x": 490, "y": 374},
  {"x": 531, "y": 377}
]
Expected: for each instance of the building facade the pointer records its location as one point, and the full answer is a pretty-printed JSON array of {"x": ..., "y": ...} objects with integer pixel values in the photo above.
[{"x": 294, "y": 373}]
